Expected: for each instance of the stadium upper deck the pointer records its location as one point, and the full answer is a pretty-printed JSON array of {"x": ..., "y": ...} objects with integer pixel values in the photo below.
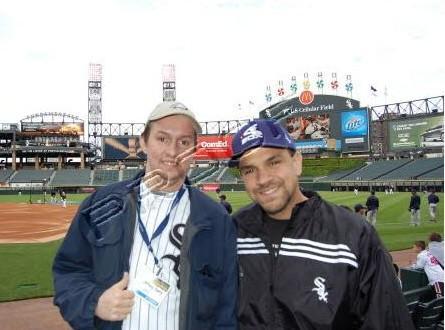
[{"x": 331, "y": 126}]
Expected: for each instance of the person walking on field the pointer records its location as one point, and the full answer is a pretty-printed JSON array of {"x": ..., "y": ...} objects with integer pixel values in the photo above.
[
  {"x": 414, "y": 208},
  {"x": 63, "y": 197},
  {"x": 433, "y": 199},
  {"x": 53, "y": 197},
  {"x": 372, "y": 204},
  {"x": 225, "y": 203}
]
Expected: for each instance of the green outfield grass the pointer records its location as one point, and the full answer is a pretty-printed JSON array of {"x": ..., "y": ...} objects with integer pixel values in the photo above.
[
  {"x": 26, "y": 268},
  {"x": 392, "y": 220}
]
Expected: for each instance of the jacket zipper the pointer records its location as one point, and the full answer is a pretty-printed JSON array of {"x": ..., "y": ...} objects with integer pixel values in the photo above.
[
  {"x": 273, "y": 260},
  {"x": 128, "y": 243}
]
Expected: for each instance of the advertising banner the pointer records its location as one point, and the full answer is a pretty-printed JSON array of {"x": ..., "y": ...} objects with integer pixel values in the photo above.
[
  {"x": 349, "y": 128},
  {"x": 317, "y": 144},
  {"x": 412, "y": 133},
  {"x": 354, "y": 123},
  {"x": 211, "y": 147},
  {"x": 355, "y": 130},
  {"x": 319, "y": 103},
  {"x": 210, "y": 186},
  {"x": 308, "y": 127},
  {"x": 122, "y": 147},
  {"x": 52, "y": 128}
]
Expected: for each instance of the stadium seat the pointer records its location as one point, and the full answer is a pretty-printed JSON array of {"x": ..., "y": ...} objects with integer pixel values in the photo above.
[
  {"x": 104, "y": 177},
  {"x": 434, "y": 174},
  {"x": 414, "y": 169},
  {"x": 213, "y": 177},
  {"x": 204, "y": 174},
  {"x": 377, "y": 169},
  {"x": 71, "y": 177},
  {"x": 130, "y": 173},
  {"x": 428, "y": 315},
  {"x": 196, "y": 171},
  {"x": 412, "y": 297},
  {"x": 29, "y": 176}
]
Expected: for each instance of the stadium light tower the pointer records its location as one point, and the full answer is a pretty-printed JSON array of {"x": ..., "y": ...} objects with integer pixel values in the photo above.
[
  {"x": 95, "y": 106},
  {"x": 168, "y": 82}
]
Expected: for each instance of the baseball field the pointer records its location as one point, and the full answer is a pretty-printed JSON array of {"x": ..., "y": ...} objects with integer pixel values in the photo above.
[{"x": 36, "y": 231}]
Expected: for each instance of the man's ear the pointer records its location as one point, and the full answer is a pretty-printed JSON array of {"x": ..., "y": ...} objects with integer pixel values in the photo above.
[
  {"x": 143, "y": 144},
  {"x": 298, "y": 159}
]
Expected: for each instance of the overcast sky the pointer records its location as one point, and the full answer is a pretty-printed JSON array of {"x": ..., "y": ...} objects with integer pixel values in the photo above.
[{"x": 225, "y": 52}]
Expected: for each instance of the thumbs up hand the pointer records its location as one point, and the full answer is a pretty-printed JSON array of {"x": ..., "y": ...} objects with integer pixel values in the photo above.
[{"x": 116, "y": 302}]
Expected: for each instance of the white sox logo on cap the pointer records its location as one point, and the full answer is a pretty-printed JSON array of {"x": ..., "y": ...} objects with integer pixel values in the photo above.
[{"x": 251, "y": 133}]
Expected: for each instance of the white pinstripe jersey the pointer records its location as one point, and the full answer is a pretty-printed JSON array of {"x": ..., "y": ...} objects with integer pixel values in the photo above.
[{"x": 154, "y": 208}]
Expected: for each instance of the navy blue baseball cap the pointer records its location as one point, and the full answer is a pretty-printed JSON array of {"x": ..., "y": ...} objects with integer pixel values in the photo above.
[{"x": 259, "y": 133}]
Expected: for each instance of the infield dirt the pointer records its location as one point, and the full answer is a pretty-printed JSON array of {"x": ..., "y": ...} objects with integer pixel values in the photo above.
[{"x": 34, "y": 223}]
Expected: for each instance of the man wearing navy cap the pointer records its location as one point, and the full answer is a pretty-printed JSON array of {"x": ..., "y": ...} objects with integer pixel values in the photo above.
[{"x": 305, "y": 263}]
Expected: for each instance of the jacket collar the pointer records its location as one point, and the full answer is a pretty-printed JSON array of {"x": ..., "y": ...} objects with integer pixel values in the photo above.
[
  {"x": 197, "y": 217},
  {"x": 136, "y": 181},
  {"x": 250, "y": 218}
]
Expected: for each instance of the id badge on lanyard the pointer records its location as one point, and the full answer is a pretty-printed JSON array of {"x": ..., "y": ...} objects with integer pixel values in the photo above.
[{"x": 151, "y": 287}]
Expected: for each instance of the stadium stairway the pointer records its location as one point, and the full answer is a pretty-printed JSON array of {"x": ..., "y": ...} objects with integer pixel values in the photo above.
[
  {"x": 91, "y": 178},
  {"x": 434, "y": 174},
  {"x": 429, "y": 171},
  {"x": 376, "y": 169},
  {"x": 204, "y": 174},
  {"x": 338, "y": 175},
  {"x": 28, "y": 176},
  {"x": 227, "y": 176},
  {"x": 213, "y": 176},
  {"x": 414, "y": 169},
  {"x": 71, "y": 178},
  {"x": 394, "y": 169},
  {"x": 221, "y": 174},
  {"x": 6, "y": 175},
  {"x": 51, "y": 178}
]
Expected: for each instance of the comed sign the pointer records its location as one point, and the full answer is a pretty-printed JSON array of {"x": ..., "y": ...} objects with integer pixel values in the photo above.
[
  {"x": 426, "y": 132},
  {"x": 214, "y": 147}
]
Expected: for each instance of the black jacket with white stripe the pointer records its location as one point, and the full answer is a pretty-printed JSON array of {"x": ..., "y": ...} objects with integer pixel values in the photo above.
[{"x": 331, "y": 272}]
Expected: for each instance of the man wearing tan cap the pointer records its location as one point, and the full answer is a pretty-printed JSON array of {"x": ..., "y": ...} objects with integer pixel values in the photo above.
[{"x": 151, "y": 252}]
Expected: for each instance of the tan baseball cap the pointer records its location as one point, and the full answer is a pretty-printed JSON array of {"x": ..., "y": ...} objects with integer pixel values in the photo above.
[{"x": 166, "y": 109}]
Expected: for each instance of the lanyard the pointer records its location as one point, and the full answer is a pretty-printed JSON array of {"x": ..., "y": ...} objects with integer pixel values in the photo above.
[{"x": 161, "y": 227}]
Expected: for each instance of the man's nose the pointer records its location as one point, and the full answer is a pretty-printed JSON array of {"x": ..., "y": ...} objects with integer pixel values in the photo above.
[
  {"x": 262, "y": 176},
  {"x": 172, "y": 149}
]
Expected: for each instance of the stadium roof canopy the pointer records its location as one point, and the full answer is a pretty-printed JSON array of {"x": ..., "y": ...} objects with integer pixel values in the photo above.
[{"x": 52, "y": 117}]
